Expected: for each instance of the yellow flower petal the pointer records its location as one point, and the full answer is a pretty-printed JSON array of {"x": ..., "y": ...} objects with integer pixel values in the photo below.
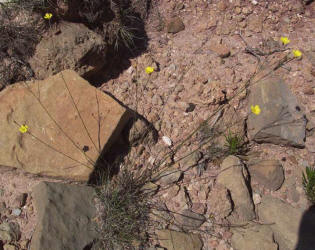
[
  {"x": 149, "y": 70},
  {"x": 48, "y": 16},
  {"x": 297, "y": 53},
  {"x": 255, "y": 109},
  {"x": 23, "y": 129},
  {"x": 285, "y": 40}
]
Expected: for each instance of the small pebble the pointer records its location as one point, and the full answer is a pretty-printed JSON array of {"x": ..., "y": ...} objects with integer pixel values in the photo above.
[
  {"x": 151, "y": 160},
  {"x": 16, "y": 211},
  {"x": 254, "y": 2},
  {"x": 130, "y": 70},
  {"x": 167, "y": 140},
  {"x": 256, "y": 198},
  {"x": 190, "y": 108}
]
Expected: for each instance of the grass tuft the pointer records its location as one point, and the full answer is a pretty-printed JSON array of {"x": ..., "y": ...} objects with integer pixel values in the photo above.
[
  {"x": 234, "y": 143},
  {"x": 308, "y": 182},
  {"x": 124, "y": 211}
]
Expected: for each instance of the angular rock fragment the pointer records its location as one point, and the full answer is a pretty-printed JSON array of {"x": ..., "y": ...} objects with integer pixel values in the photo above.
[
  {"x": 65, "y": 214},
  {"x": 281, "y": 120},
  {"x": 56, "y": 142},
  {"x": 178, "y": 240},
  {"x": 268, "y": 173},
  {"x": 233, "y": 179}
]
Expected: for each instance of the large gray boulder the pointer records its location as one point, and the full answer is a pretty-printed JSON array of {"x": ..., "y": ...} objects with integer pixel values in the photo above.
[
  {"x": 57, "y": 143},
  {"x": 281, "y": 120},
  {"x": 64, "y": 217}
]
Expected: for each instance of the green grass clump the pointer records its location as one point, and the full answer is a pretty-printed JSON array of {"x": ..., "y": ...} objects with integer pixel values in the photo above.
[
  {"x": 233, "y": 143},
  {"x": 308, "y": 181},
  {"x": 125, "y": 209}
]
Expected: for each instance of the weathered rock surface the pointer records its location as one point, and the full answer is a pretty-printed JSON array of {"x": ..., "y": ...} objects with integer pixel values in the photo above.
[
  {"x": 65, "y": 214},
  {"x": 70, "y": 46},
  {"x": 310, "y": 143},
  {"x": 168, "y": 176},
  {"x": 175, "y": 25},
  {"x": 220, "y": 49},
  {"x": 189, "y": 220},
  {"x": 286, "y": 221},
  {"x": 219, "y": 202},
  {"x": 161, "y": 215},
  {"x": 233, "y": 179},
  {"x": 177, "y": 240},
  {"x": 142, "y": 132},
  {"x": 268, "y": 173},
  {"x": 191, "y": 160},
  {"x": 255, "y": 23},
  {"x": 281, "y": 120},
  {"x": 65, "y": 150},
  {"x": 259, "y": 237}
]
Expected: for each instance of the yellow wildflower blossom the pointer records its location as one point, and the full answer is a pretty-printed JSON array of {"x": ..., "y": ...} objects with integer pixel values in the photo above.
[
  {"x": 285, "y": 40},
  {"x": 23, "y": 129},
  {"x": 297, "y": 53},
  {"x": 149, "y": 70},
  {"x": 48, "y": 16},
  {"x": 255, "y": 109}
]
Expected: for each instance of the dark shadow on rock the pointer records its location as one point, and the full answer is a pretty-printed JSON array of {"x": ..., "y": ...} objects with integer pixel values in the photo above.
[
  {"x": 134, "y": 117},
  {"x": 307, "y": 230},
  {"x": 108, "y": 164}
]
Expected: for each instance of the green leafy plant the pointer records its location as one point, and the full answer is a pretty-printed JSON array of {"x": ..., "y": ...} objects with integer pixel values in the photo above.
[
  {"x": 308, "y": 182},
  {"x": 233, "y": 143}
]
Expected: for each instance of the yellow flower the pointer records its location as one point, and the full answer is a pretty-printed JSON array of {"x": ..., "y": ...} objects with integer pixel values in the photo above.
[
  {"x": 297, "y": 53},
  {"x": 285, "y": 40},
  {"x": 48, "y": 16},
  {"x": 255, "y": 109},
  {"x": 149, "y": 70},
  {"x": 23, "y": 129}
]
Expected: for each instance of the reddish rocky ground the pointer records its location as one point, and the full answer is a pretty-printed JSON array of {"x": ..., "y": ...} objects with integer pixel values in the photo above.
[{"x": 194, "y": 66}]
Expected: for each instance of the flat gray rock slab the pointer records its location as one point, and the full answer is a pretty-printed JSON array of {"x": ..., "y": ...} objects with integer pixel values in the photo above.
[
  {"x": 64, "y": 216},
  {"x": 281, "y": 120}
]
